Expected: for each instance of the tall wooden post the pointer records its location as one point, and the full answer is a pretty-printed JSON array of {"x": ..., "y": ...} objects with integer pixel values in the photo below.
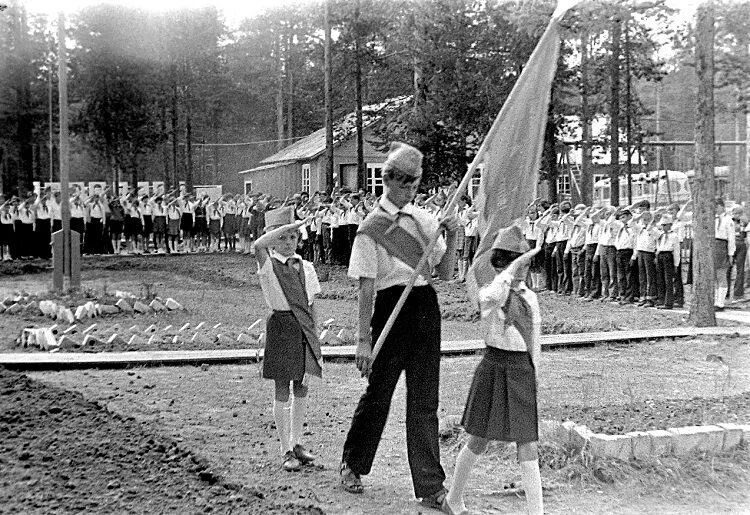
[
  {"x": 66, "y": 243},
  {"x": 703, "y": 190}
]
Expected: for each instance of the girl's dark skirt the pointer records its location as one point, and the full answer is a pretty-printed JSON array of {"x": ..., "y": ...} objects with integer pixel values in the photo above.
[
  {"x": 115, "y": 227},
  {"x": 148, "y": 225},
  {"x": 174, "y": 227},
  {"x": 201, "y": 227},
  {"x": 6, "y": 234},
  {"x": 186, "y": 224},
  {"x": 230, "y": 224},
  {"x": 214, "y": 227},
  {"x": 133, "y": 227},
  {"x": 245, "y": 228},
  {"x": 502, "y": 399},
  {"x": 78, "y": 225},
  {"x": 287, "y": 355},
  {"x": 43, "y": 238},
  {"x": 160, "y": 224},
  {"x": 537, "y": 262}
]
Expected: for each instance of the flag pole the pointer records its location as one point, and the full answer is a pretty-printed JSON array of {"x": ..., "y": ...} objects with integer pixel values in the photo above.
[
  {"x": 562, "y": 8},
  {"x": 460, "y": 190}
]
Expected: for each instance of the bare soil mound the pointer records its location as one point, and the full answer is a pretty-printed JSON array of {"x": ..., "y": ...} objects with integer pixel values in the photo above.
[{"x": 61, "y": 453}]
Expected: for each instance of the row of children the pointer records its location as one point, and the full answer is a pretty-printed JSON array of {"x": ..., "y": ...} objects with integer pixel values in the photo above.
[{"x": 631, "y": 254}]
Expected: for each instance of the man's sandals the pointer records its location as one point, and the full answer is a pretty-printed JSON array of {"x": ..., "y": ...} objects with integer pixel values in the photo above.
[
  {"x": 350, "y": 480},
  {"x": 436, "y": 500}
]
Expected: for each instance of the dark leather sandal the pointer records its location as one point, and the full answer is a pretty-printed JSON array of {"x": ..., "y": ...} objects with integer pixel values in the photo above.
[
  {"x": 435, "y": 501},
  {"x": 350, "y": 480}
]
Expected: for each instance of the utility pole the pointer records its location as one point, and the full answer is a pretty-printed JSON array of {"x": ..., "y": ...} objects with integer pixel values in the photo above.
[
  {"x": 704, "y": 189},
  {"x": 328, "y": 95}
]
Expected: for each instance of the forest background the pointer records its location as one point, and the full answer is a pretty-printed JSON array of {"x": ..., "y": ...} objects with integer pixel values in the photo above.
[{"x": 149, "y": 90}]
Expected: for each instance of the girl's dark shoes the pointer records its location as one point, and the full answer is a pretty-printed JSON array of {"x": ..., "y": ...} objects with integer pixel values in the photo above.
[
  {"x": 291, "y": 463},
  {"x": 303, "y": 455}
]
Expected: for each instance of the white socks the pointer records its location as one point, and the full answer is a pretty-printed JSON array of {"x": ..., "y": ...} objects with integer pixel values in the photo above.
[
  {"x": 290, "y": 418},
  {"x": 464, "y": 463},
  {"x": 719, "y": 295},
  {"x": 298, "y": 419},
  {"x": 282, "y": 417},
  {"x": 532, "y": 485}
]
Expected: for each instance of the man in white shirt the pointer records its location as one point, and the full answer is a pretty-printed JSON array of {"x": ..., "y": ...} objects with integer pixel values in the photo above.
[{"x": 387, "y": 248}]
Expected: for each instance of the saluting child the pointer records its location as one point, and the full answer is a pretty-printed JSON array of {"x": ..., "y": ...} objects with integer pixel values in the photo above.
[
  {"x": 502, "y": 403},
  {"x": 292, "y": 351}
]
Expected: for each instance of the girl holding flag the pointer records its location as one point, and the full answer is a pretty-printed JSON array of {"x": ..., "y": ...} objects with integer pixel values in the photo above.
[{"x": 502, "y": 403}]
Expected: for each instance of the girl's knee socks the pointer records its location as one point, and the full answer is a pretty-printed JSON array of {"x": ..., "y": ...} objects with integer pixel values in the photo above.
[
  {"x": 282, "y": 417},
  {"x": 532, "y": 485}
]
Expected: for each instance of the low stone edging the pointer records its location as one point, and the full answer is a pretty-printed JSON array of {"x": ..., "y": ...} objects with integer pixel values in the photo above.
[{"x": 679, "y": 441}]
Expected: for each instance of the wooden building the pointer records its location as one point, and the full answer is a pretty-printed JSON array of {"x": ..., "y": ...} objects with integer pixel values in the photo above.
[{"x": 301, "y": 166}]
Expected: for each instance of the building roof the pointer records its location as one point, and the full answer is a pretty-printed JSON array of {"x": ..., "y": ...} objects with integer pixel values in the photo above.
[
  {"x": 266, "y": 167},
  {"x": 312, "y": 145}
]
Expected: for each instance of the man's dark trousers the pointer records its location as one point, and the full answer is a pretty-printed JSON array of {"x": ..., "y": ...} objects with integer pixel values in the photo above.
[
  {"x": 564, "y": 268},
  {"x": 665, "y": 279},
  {"x": 413, "y": 345},
  {"x": 592, "y": 278},
  {"x": 647, "y": 275},
  {"x": 625, "y": 274}
]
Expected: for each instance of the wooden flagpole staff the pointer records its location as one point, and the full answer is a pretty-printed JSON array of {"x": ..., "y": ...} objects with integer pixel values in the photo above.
[
  {"x": 431, "y": 245},
  {"x": 562, "y": 7}
]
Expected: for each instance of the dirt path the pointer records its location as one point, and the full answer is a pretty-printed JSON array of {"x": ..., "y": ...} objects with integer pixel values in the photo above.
[{"x": 224, "y": 414}]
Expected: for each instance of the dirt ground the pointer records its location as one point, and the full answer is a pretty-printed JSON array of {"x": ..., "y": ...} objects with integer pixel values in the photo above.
[
  {"x": 224, "y": 414},
  {"x": 222, "y": 288},
  {"x": 202, "y": 439}
]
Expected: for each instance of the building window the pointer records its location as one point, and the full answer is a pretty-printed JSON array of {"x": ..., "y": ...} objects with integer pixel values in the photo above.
[
  {"x": 474, "y": 187},
  {"x": 563, "y": 185},
  {"x": 306, "y": 178},
  {"x": 248, "y": 187},
  {"x": 375, "y": 178}
]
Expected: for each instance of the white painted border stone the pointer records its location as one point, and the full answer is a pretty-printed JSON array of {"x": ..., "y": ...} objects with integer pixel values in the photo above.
[
  {"x": 679, "y": 441},
  {"x": 696, "y": 438}
]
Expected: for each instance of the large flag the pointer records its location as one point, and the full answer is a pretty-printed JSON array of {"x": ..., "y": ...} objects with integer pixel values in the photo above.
[{"x": 512, "y": 150}]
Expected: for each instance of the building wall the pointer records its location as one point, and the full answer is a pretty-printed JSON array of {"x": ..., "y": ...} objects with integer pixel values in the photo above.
[
  {"x": 287, "y": 180},
  {"x": 280, "y": 181}
]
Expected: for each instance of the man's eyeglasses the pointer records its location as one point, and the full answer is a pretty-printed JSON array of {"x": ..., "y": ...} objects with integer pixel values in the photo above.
[{"x": 403, "y": 178}]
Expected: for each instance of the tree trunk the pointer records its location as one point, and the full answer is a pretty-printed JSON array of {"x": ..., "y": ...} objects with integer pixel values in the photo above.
[
  {"x": 550, "y": 157},
  {"x": 614, "y": 115},
  {"x": 165, "y": 148},
  {"x": 586, "y": 158},
  {"x": 279, "y": 94},
  {"x": 290, "y": 83},
  {"x": 175, "y": 138},
  {"x": 628, "y": 107},
  {"x": 703, "y": 188},
  {"x": 361, "y": 171},
  {"x": 420, "y": 92},
  {"x": 328, "y": 94},
  {"x": 188, "y": 147},
  {"x": 24, "y": 124}
]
